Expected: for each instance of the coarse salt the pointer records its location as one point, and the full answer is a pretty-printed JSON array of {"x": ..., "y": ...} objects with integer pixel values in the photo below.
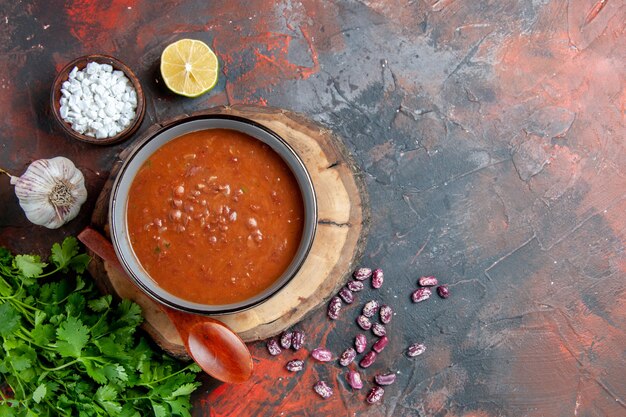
[{"x": 98, "y": 101}]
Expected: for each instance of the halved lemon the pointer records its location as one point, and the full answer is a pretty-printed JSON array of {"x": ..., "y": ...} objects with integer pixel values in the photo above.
[{"x": 189, "y": 67}]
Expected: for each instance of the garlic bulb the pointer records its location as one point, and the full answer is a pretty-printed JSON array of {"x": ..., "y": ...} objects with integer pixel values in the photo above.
[{"x": 51, "y": 191}]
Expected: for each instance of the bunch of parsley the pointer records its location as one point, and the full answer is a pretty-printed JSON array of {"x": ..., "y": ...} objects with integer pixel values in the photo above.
[{"x": 68, "y": 351}]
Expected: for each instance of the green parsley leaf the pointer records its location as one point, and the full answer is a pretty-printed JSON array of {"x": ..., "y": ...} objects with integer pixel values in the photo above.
[
  {"x": 9, "y": 320},
  {"x": 159, "y": 410},
  {"x": 29, "y": 265},
  {"x": 72, "y": 337},
  {"x": 42, "y": 334},
  {"x": 184, "y": 389},
  {"x": 39, "y": 393},
  {"x": 63, "y": 254},
  {"x": 21, "y": 363},
  {"x": 40, "y": 316},
  {"x": 7, "y": 410},
  {"x": 106, "y": 393},
  {"x": 115, "y": 373},
  {"x": 130, "y": 313},
  {"x": 79, "y": 263},
  {"x": 75, "y": 304},
  {"x": 100, "y": 304},
  {"x": 94, "y": 371},
  {"x": 180, "y": 406}
]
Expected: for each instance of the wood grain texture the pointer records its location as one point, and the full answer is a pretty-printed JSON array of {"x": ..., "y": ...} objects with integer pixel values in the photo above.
[{"x": 340, "y": 236}]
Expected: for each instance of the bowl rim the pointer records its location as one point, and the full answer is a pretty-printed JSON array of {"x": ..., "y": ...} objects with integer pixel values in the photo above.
[
  {"x": 118, "y": 226},
  {"x": 81, "y": 62}
]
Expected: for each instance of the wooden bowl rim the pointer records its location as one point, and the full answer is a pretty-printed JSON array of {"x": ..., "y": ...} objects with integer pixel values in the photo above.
[{"x": 81, "y": 62}]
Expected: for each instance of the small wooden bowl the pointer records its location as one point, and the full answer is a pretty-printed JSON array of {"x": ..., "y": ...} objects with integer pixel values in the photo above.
[{"x": 81, "y": 63}]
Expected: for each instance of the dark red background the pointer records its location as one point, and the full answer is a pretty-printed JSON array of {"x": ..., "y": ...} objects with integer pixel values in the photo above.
[{"x": 491, "y": 137}]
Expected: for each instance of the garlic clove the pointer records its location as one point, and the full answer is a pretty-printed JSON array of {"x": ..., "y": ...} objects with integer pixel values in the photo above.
[{"x": 51, "y": 191}]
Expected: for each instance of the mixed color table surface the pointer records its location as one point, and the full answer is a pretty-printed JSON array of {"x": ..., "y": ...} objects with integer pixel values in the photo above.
[{"x": 491, "y": 138}]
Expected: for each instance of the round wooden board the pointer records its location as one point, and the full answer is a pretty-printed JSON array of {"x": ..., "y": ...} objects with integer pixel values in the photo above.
[{"x": 339, "y": 240}]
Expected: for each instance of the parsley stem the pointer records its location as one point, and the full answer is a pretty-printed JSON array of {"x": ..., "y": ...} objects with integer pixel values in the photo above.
[
  {"x": 170, "y": 375},
  {"x": 54, "y": 271},
  {"x": 65, "y": 365},
  {"x": 22, "y": 336},
  {"x": 19, "y": 382}
]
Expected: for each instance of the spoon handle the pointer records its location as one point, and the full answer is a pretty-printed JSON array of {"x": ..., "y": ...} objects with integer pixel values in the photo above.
[{"x": 101, "y": 246}]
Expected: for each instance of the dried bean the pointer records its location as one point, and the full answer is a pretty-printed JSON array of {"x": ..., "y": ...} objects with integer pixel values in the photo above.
[
  {"x": 368, "y": 359},
  {"x": 378, "y": 329},
  {"x": 360, "y": 343},
  {"x": 375, "y": 395},
  {"x": 385, "y": 314},
  {"x": 297, "y": 340},
  {"x": 321, "y": 354},
  {"x": 427, "y": 281},
  {"x": 347, "y": 357},
  {"x": 443, "y": 291},
  {"x": 273, "y": 348},
  {"x": 380, "y": 344},
  {"x": 363, "y": 322},
  {"x": 385, "y": 379},
  {"x": 370, "y": 308},
  {"x": 285, "y": 340},
  {"x": 421, "y": 295},
  {"x": 334, "y": 307},
  {"x": 362, "y": 274},
  {"x": 295, "y": 365},
  {"x": 346, "y": 295},
  {"x": 354, "y": 379},
  {"x": 377, "y": 278},
  {"x": 355, "y": 286},
  {"x": 416, "y": 349},
  {"x": 323, "y": 389}
]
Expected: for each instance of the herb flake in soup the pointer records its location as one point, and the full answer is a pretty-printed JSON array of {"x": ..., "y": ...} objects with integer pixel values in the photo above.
[{"x": 215, "y": 216}]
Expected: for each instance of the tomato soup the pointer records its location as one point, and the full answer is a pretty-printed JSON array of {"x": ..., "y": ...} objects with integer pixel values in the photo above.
[{"x": 215, "y": 216}]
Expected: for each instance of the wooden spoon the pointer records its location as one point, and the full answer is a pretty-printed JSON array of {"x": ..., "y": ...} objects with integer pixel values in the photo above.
[{"x": 218, "y": 350}]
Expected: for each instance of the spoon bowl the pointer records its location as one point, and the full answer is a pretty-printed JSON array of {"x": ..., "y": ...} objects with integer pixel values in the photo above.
[{"x": 213, "y": 346}]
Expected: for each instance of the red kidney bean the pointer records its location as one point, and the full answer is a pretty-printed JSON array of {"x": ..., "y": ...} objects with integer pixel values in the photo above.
[
  {"x": 362, "y": 274},
  {"x": 346, "y": 295},
  {"x": 273, "y": 348},
  {"x": 429, "y": 281},
  {"x": 378, "y": 329},
  {"x": 375, "y": 395},
  {"x": 322, "y": 389},
  {"x": 355, "y": 286},
  {"x": 443, "y": 291},
  {"x": 380, "y": 344},
  {"x": 377, "y": 278},
  {"x": 385, "y": 379},
  {"x": 370, "y": 308},
  {"x": 386, "y": 313},
  {"x": 360, "y": 343},
  {"x": 354, "y": 379},
  {"x": 347, "y": 357},
  {"x": 297, "y": 340},
  {"x": 321, "y": 354},
  {"x": 416, "y": 349},
  {"x": 368, "y": 359},
  {"x": 334, "y": 307},
  {"x": 285, "y": 340},
  {"x": 363, "y": 322},
  {"x": 295, "y": 365},
  {"x": 421, "y": 294}
]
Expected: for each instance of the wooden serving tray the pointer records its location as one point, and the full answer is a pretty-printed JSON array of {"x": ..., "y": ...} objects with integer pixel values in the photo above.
[{"x": 343, "y": 219}]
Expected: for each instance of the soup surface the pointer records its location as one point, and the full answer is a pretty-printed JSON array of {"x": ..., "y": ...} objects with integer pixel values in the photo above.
[{"x": 215, "y": 216}]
